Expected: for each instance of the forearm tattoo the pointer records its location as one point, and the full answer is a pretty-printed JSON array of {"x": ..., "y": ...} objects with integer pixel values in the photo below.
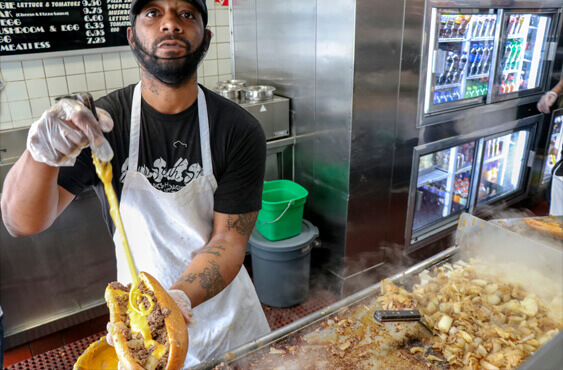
[
  {"x": 210, "y": 279},
  {"x": 242, "y": 224},
  {"x": 212, "y": 249}
]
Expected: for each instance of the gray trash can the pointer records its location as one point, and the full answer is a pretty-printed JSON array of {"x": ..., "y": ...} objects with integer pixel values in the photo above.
[{"x": 281, "y": 268}]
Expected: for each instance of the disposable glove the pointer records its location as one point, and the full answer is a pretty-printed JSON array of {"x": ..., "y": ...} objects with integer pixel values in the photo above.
[
  {"x": 185, "y": 306},
  {"x": 547, "y": 101},
  {"x": 65, "y": 129}
]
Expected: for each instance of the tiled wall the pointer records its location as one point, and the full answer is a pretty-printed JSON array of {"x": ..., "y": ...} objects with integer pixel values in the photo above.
[{"x": 30, "y": 86}]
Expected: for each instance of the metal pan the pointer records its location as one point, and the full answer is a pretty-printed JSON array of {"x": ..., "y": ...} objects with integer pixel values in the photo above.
[
  {"x": 259, "y": 92},
  {"x": 229, "y": 92},
  {"x": 233, "y": 83}
]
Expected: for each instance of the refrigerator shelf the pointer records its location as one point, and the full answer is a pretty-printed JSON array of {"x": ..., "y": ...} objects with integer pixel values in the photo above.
[
  {"x": 451, "y": 39},
  {"x": 463, "y": 169},
  {"x": 484, "y": 38},
  {"x": 433, "y": 176},
  {"x": 477, "y": 76},
  {"x": 494, "y": 159},
  {"x": 448, "y": 86}
]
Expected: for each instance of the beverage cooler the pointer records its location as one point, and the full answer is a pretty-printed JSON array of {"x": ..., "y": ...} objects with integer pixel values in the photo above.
[
  {"x": 483, "y": 55},
  {"x": 554, "y": 146},
  {"x": 469, "y": 173},
  {"x": 523, "y": 53}
]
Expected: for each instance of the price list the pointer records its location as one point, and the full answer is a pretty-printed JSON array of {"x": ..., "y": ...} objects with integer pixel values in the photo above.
[{"x": 28, "y": 27}]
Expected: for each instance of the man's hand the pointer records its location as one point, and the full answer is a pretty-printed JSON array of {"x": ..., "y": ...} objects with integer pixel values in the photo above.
[
  {"x": 547, "y": 101},
  {"x": 185, "y": 306},
  {"x": 65, "y": 129}
]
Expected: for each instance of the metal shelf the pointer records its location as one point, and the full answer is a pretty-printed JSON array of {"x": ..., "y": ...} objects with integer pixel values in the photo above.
[
  {"x": 433, "y": 176},
  {"x": 448, "y": 86},
  {"x": 463, "y": 169},
  {"x": 483, "y": 75},
  {"x": 452, "y": 39}
]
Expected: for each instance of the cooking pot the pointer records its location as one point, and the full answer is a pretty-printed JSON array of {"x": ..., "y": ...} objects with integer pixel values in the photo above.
[
  {"x": 259, "y": 92},
  {"x": 229, "y": 92}
]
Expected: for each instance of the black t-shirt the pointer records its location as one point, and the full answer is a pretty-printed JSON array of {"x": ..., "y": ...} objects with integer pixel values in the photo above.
[{"x": 170, "y": 152}]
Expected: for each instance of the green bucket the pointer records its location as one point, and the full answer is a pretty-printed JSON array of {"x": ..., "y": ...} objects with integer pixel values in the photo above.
[{"x": 282, "y": 209}]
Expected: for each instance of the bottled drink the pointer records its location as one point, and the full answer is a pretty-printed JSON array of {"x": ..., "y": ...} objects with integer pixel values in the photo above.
[
  {"x": 443, "y": 21},
  {"x": 455, "y": 94},
  {"x": 443, "y": 97},
  {"x": 456, "y": 25},
  {"x": 449, "y": 26},
  {"x": 436, "y": 98},
  {"x": 449, "y": 96},
  {"x": 484, "y": 27},
  {"x": 520, "y": 22},
  {"x": 510, "y": 25},
  {"x": 472, "y": 56},
  {"x": 492, "y": 25},
  {"x": 464, "y": 23},
  {"x": 515, "y": 25},
  {"x": 462, "y": 63},
  {"x": 456, "y": 195}
]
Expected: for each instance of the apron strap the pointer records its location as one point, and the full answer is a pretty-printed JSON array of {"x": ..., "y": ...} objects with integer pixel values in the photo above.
[
  {"x": 135, "y": 129},
  {"x": 204, "y": 133}
]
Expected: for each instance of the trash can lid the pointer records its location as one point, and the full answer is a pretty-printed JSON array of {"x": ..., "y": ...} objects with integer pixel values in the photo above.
[{"x": 308, "y": 233}]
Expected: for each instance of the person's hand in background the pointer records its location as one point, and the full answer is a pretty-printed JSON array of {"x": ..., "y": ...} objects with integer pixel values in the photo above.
[
  {"x": 65, "y": 129},
  {"x": 546, "y": 101}
]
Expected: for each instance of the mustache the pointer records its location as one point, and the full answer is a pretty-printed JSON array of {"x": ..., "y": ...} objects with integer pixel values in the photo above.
[{"x": 169, "y": 38}]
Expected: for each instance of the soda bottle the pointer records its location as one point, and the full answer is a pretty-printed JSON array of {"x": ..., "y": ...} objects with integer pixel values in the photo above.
[
  {"x": 455, "y": 94},
  {"x": 449, "y": 26},
  {"x": 492, "y": 25},
  {"x": 484, "y": 27},
  {"x": 464, "y": 23},
  {"x": 510, "y": 25},
  {"x": 436, "y": 98},
  {"x": 449, "y": 95},
  {"x": 456, "y": 25},
  {"x": 443, "y": 97},
  {"x": 443, "y": 20},
  {"x": 472, "y": 56},
  {"x": 520, "y": 22}
]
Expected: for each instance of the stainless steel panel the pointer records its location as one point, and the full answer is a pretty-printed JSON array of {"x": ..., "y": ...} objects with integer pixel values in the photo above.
[
  {"x": 48, "y": 279},
  {"x": 272, "y": 114}
]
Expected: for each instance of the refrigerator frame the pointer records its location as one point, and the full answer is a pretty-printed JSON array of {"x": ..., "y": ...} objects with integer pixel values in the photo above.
[
  {"x": 554, "y": 113},
  {"x": 453, "y": 113},
  {"x": 551, "y": 46},
  {"x": 441, "y": 228}
]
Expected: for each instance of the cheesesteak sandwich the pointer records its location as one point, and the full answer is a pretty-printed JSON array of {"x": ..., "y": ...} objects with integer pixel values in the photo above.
[{"x": 147, "y": 328}]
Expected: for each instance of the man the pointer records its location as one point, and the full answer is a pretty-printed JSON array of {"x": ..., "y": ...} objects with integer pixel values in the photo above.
[{"x": 188, "y": 168}]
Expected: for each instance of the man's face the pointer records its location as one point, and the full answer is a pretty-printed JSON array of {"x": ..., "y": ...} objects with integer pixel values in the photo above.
[{"x": 169, "y": 40}]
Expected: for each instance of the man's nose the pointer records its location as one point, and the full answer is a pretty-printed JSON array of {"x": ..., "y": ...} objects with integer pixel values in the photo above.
[{"x": 171, "y": 23}]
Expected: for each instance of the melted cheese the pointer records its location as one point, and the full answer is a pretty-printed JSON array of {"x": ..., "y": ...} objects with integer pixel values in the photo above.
[
  {"x": 103, "y": 169},
  {"x": 136, "y": 311}
]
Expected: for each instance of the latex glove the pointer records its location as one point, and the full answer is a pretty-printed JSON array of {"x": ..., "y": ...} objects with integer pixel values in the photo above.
[
  {"x": 546, "y": 101},
  {"x": 185, "y": 306},
  {"x": 65, "y": 129}
]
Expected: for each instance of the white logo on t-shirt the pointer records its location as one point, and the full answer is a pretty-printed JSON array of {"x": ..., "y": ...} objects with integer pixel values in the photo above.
[{"x": 167, "y": 179}]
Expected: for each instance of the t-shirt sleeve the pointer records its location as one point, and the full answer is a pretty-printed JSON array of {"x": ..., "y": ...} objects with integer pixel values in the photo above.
[
  {"x": 80, "y": 176},
  {"x": 239, "y": 190}
]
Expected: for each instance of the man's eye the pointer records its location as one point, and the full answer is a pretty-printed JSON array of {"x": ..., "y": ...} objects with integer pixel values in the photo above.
[
  {"x": 151, "y": 13},
  {"x": 187, "y": 15}
]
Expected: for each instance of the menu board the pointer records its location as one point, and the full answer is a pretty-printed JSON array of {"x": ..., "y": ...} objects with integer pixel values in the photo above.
[{"x": 28, "y": 27}]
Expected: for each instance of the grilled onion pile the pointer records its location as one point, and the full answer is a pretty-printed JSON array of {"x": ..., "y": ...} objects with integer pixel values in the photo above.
[{"x": 481, "y": 317}]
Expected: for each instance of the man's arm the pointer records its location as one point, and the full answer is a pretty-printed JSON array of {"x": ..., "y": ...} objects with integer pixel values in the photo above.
[
  {"x": 31, "y": 198},
  {"x": 218, "y": 263}
]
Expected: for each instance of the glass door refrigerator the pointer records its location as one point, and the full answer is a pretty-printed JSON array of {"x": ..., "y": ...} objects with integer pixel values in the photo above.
[
  {"x": 461, "y": 56},
  {"x": 526, "y": 46},
  {"x": 554, "y": 146},
  {"x": 502, "y": 168},
  {"x": 443, "y": 183}
]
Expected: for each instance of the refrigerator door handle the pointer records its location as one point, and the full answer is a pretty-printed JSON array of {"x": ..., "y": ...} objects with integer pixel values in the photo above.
[
  {"x": 531, "y": 157},
  {"x": 552, "y": 51}
]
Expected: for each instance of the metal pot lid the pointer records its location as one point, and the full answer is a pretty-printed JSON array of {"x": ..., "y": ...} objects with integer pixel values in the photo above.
[
  {"x": 226, "y": 88},
  {"x": 233, "y": 83}
]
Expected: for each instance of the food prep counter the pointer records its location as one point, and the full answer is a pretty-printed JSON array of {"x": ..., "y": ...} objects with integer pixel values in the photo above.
[{"x": 345, "y": 334}]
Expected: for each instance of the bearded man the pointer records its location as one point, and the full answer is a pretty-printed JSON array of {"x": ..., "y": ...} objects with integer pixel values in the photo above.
[{"x": 188, "y": 168}]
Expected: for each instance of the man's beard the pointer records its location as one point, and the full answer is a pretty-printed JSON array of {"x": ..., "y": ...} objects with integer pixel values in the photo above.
[{"x": 172, "y": 71}]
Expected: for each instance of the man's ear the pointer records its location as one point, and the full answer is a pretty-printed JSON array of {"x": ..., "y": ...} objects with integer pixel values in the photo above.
[
  {"x": 207, "y": 38},
  {"x": 130, "y": 37}
]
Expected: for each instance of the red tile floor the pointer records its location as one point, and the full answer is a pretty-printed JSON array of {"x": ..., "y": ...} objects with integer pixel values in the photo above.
[{"x": 61, "y": 350}]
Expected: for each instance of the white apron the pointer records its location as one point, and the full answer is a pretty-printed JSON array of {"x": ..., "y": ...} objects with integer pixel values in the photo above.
[
  {"x": 556, "y": 203},
  {"x": 165, "y": 230}
]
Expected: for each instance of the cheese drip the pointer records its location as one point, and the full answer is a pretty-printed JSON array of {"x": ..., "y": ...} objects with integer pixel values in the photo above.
[
  {"x": 137, "y": 315},
  {"x": 103, "y": 169}
]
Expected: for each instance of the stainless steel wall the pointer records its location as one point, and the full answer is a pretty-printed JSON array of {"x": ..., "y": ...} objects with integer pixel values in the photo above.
[{"x": 306, "y": 50}]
